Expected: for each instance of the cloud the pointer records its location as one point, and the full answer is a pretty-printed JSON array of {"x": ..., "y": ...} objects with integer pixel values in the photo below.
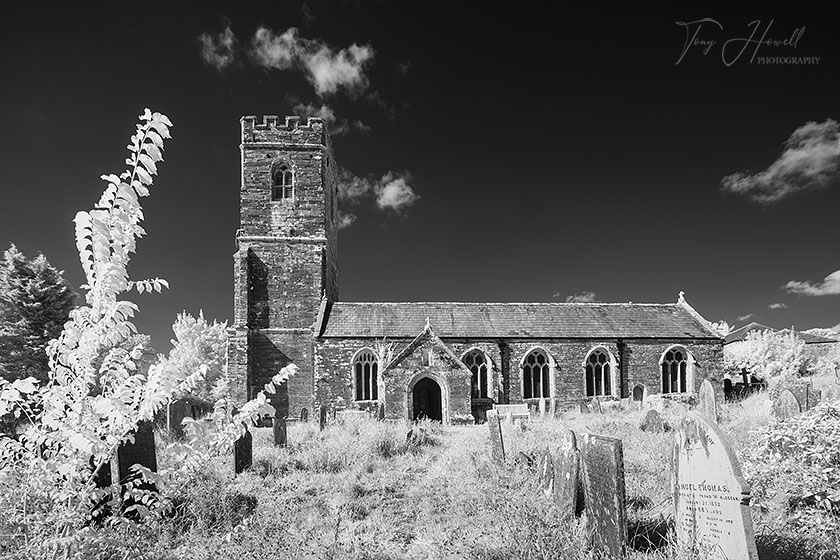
[
  {"x": 777, "y": 306},
  {"x": 829, "y": 286},
  {"x": 582, "y": 297},
  {"x": 746, "y": 317},
  {"x": 218, "y": 51},
  {"x": 327, "y": 69},
  {"x": 811, "y": 160},
  {"x": 346, "y": 220},
  {"x": 391, "y": 192}
]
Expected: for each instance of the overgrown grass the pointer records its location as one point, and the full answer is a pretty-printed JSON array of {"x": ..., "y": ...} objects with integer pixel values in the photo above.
[{"x": 377, "y": 490}]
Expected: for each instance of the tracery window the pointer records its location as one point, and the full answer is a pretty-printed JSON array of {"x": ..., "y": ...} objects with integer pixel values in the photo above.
[
  {"x": 535, "y": 375},
  {"x": 282, "y": 182},
  {"x": 477, "y": 364},
  {"x": 599, "y": 372},
  {"x": 675, "y": 370},
  {"x": 366, "y": 369}
]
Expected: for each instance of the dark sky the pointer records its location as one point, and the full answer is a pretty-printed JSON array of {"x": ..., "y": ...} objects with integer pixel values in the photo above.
[{"x": 554, "y": 154}]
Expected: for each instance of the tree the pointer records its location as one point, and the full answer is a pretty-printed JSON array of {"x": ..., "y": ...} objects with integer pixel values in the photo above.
[
  {"x": 200, "y": 343},
  {"x": 770, "y": 356},
  {"x": 35, "y": 302}
]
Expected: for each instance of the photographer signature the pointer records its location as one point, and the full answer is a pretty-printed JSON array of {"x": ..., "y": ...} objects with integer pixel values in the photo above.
[{"x": 733, "y": 49}]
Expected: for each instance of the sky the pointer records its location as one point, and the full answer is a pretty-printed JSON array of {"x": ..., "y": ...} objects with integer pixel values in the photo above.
[{"x": 491, "y": 153}]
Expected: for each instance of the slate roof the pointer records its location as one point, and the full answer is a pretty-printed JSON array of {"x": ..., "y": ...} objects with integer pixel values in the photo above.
[
  {"x": 513, "y": 320},
  {"x": 741, "y": 333}
]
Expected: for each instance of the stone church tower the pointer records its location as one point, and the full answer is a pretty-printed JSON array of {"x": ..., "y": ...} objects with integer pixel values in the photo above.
[{"x": 286, "y": 260}]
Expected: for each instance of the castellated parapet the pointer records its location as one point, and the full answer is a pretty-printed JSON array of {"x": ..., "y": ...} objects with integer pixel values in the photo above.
[{"x": 295, "y": 131}]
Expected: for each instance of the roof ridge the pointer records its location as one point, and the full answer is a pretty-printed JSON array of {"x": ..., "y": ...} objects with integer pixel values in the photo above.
[{"x": 592, "y": 303}]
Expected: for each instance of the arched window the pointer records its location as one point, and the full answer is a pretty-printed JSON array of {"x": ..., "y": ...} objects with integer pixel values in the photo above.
[
  {"x": 477, "y": 364},
  {"x": 675, "y": 362},
  {"x": 282, "y": 182},
  {"x": 536, "y": 370},
  {"x": 365, "y": 369},
  {"x": 600, "y": 369}
]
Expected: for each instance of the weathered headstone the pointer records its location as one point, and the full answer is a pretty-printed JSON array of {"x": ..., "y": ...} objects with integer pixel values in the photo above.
[
  {"x": 706, "y": 401},
  {"x": 814, "y": 397},
  {"x": 552, "y": 408},
  {"x": 243, "y": 452},
  {"x": 542, "y": 407},
  {"x": 322, "y": 417},
  {"x": 567, "y": 488},
  {"x": 280, "y": 434},
  {"x": 711, "y": 498},
  {"x": 595, "y": 406},
  {"x": 786, "y": 406},
  {"x": 497, "y": 445},
  {"x": 177, "y": 411},
  {"x": 351, "y": 416},
  {"x": 584, "y": 407},
  {"x": 545, "y": 468},
  {"x": 141, "y": 451},
  {"x": 602, "y": 459},
  {"x": 639, "y": 396},
  {"x": 653, "y": 422},
  {"x": 304, "y": 415},
  {"x": 380, "y": 411}
]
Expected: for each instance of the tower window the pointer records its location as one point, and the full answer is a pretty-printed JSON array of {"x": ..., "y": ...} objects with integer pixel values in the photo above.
[
  {"x": 365, "y": 369},
  {"x": 282, "y": 183}
]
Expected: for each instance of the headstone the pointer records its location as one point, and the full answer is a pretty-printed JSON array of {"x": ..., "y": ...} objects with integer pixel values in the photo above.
[
  {"x": 304, "y": 415},
  {"x": 711, "y": 498},
  {"x": 542, "y": 407},
  {"x": 552, "y": 408},
  {"x": 786, "y": 406},
  {"x": 380, "y": 411},
  {"x": 602, "y": 459},
  {"x": 141, "y": 451},
  {"x": 639, "y": 396},
  {"x": 584, "y": 407},
  {"x": 497, "y": 446},
  {"x": 706, "y": 403},
  {"x": 177, "y": 411},
  {"x": 280, "y": 434},
  {"x": 323, "y": 417},
  {"x": 243, "y": 452},
  {"x": 800, "y": 390},
  {"x": 532, "y": 409},
  {"x": 351, "y": 416},
  {"x": 567, "y": 489},
  {"x": 814, "y": 397},
  {"x": 595, "y": 406},
  {"x": 545, "y": 468},
  {"x": 653, "y": 423}
]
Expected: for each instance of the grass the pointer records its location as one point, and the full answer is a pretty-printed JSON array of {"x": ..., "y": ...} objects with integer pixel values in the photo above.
[{"x": 365, "y": 490}]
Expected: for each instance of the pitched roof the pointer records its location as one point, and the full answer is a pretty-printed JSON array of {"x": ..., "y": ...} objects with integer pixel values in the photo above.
[
  {"x": 741, "y": 334},
  {"x": 513, "y": 320}
]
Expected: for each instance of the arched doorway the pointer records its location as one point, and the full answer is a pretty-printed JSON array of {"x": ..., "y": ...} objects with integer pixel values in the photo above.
[{"x": 426, "y": 400}]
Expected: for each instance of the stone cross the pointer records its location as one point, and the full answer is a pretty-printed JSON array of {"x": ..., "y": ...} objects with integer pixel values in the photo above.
[
  {"x": 710, "y": 496},
  {"x": 567, "y": 489},
  {"x": 497, "y": 445},
  {"x": 602, "y": 459},
  {"x": 243, "y": 452},
  {"x": 707, "y": 404},
  {"x": 786, "y": 406},
  {"x": 280, "y": 434}
]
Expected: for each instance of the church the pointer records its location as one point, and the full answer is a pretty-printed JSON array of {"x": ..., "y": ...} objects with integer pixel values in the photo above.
[{"x": 448, "y": 361}]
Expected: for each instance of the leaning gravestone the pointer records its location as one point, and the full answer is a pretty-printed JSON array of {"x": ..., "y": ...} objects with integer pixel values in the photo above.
[
  {"x": 707, "y": 404},
  {"x": 280, "y": 434},
  {"x": 243, "y": 452},
  {"x": 711, "y": 498},
  {"x": 497, "y": 446},
  {"x": 602, "y": 459},
  {"x": 567, "y": 489},
  {"x": 653, "y": 423},
  {"x": 545, "y": 468},
  {"x": 786, "y": 406},
  {"x": 595, "y": 406},
  {"x": 140, "y": 451}
]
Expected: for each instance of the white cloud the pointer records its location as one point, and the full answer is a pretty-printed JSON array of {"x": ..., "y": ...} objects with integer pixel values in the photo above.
[
  {"x": 746, "y": 317},
  {"x": 829, "y": 286},
  {"x": 326, "y": 69},
  {"x": 394, "y": 192},
  {"x": 777, "y": 306},
  {"x": 811, "y": 160},
  {"x": 310, "y": 110},
  {"x": 582, "y": 297},
  {"x": 218, "y": 51},
  {"x": 346, "y": 220}
]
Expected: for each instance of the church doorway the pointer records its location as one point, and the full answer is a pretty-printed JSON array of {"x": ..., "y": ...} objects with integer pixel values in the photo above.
[{"x": 427, "y": 401}]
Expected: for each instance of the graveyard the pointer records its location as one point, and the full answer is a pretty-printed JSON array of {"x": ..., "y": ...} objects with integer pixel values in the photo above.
[{"x": 633, "y": 481}]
